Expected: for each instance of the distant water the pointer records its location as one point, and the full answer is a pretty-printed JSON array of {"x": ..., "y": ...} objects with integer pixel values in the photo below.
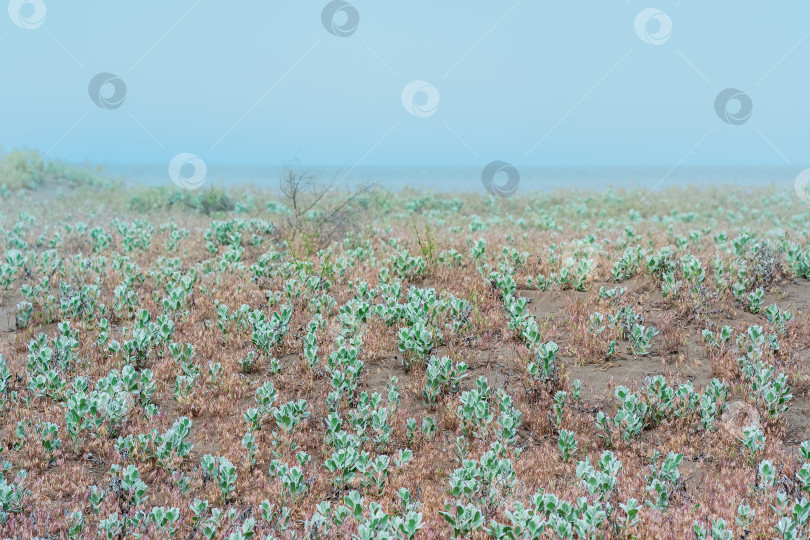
[{"x": 461, "y": 179}]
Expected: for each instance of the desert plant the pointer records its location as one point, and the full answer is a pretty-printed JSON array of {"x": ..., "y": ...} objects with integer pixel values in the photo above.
[{"x": 567, "y": 444}]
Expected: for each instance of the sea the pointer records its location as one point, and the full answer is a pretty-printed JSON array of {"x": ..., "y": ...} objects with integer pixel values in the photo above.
[{"x": 452, "y": 179}]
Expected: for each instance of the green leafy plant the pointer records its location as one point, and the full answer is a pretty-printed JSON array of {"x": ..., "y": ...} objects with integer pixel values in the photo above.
[{"x": 567, "y": 444}]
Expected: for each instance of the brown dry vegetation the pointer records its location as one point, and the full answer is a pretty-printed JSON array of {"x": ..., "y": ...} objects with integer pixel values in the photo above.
[{"x": 716, "y": 475}]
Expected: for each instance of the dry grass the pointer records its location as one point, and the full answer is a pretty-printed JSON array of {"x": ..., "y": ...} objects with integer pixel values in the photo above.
[{"x": 716, "y": 475}]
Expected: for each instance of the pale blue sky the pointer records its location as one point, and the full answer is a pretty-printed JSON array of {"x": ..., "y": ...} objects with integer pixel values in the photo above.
[{"x": 534, "y": 83}]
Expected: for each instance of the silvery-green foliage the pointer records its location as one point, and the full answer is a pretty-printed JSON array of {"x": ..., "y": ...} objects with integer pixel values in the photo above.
[
  {"x": 567, "y": 444},
  {"x": 542, "y": 367},
  {"x": 46, "y": 364},
  {"x": 753, "y": 439},
  {"x": 165, "y": 520},
  {"x": 661, "y": 481},
  {"x": 403, "y": 457},
  {"x": 604, "y": 425},
  {"x": 352, "y": 315},
  {"x": 404, "y": 266},
  {"x": 755, "y": 299},
  {"x": 612, "y": 295},
  {"x": 713, "y": 403},
  {"x": 393, "y": 393},
  {"x": 513, "y": 257},
  {"x": 508, "y": 419},
  {"x": 778, "y": 318},
  {"x": 429, "y": 428},
  {"x": 463, "y": 519},
  {"x": 630, "y": 510},
  {"x": 247, "y": 362},
  {"x": 641, "y": 339},
  {"x": 631, "y": 417},
  {"x": 292, "y": 479},
  {"x": 449, "y": 258},
  {"x": 516, "y": 308},
  {"x": 96, "y": 498},
  {"x": 576, "y": 389},
  {"x": 25, "y": 312},
  {"x": 266, "y": 334},
  {"x": 310, "y": 343},
  {"x": 48, "y": 434},
  {"x": 111, "y": 526},
  {"x": 787, "y": 529},
  {"x": 343, "y": 464},
  {"x": 745, "y": 515},
  {"x": 127, "y": 483},
  {"x": 479, "y": 249},
  {"x": 214, "y": 373},
  {"x": 474, "y": 411},
  {"x": 408, "y": 525},
  {"x": 290, "y": 415},
  {"x": 222, "y": 472},
  {"x": 486, "y": 480},
  {"x": 597, "y": 323},
  {"x": 12, "y": 495},
  {"x": 603, "y": 481},
  {"x": 381, "y": 427},
  {"x": 539, "y": 282},
  {"x": 442, "y": 375},
  {"x": 558, "y": 407},
  {"x": 717, "y": 531},
  {"x": 417, "y": 340},
  {"x": 108, "y": 404},
  {"x": 75, "y": 522},
  {"x": 626, "y": 266},
  {"x": 184, "y": 386},
  {"x": 249, "y": 443},
  {"x": 5, "y": 376},
  {"x": 766, "y": 474},
  {"x": 770, "y": 390}
]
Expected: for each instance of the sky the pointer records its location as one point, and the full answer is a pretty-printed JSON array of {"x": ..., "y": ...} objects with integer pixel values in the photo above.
[{"x": 372, "y": 83}]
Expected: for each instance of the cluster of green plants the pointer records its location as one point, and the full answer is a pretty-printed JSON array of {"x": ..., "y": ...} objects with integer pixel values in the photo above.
[{"x": 249, "y": 365}]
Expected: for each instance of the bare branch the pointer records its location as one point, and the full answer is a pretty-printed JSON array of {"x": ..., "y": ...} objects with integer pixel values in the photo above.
[{"x": 319, "y": 213}]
